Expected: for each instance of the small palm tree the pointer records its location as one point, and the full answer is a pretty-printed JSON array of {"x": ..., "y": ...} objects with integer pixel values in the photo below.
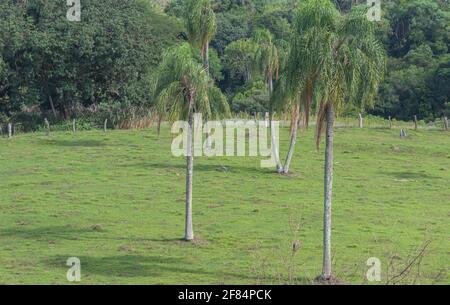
[
  {"x": 182, "y": 87},
  {"x": 337, "y": 60}
]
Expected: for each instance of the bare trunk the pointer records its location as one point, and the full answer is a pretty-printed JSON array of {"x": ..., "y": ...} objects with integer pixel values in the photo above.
[
  {"x": 415, "y": 122},
  {"x": 105, "y": 125},
  {"x": 390, "y": 122},
  {"x": 272, "y": 131},
  {"x": 9, "y": 130},
  {"x": 206, "y": 66},
  {"x": 52, "y": 105},
  {"x": 47, "y": 127},
  {"x": 74, "y": 126},
  {"x": 294, "y": 127},
  {"x": 361, "y": 121},
  {"x": 446, "y": 123},
  {"x": 328, "y": 189},
  {"x": 189, "y": 231},
  {"x": 206, "y": 58},
  {"x": 159, "y": 124}
]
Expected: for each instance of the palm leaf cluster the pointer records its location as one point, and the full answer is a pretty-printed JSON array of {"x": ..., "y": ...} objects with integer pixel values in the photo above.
[
  {"x": 201, "y": 24},
  {"x": 334, "y": 59}
]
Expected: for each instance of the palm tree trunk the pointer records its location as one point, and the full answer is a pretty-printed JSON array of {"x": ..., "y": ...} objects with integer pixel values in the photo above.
[
  {"x": 206, "y": 66},
  {"x": 9, "y": 130},
  {"x": 158, "y": 128},
  {"x": 52, "y": 105},
  {"x": 328, "y": 181},
  {"x": 189, "y": 231},
  {"x": 206, "y": 58},
  {"x": 294, "y": 124},
  {"x": 272, "y": 131}
]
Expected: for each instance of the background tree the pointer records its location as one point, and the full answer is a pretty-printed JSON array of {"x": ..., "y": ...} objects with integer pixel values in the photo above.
[{"x": 267, "y": 61}]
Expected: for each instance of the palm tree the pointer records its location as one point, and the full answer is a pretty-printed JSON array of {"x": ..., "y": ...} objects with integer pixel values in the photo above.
[
  {"x": 182, "y": 88},
  {"x": 201, "y": 27},
  {"x": 340, "y": 60},
  {"x": 267, "y": 61}
]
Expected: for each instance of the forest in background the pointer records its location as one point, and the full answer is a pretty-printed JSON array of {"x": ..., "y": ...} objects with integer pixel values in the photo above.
[{"x": 102, "y": 66}]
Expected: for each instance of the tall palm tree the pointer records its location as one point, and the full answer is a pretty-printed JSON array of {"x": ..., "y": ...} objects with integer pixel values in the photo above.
[
  {"x": 339, "y": 58},
  {"x": 267, "y": 61},
  {"x": 182, "y": 88}
]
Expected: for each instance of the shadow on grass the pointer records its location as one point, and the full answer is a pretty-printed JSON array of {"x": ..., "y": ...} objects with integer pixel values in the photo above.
[
  {"x": 55, "y": 232},
  {"x": 130, "y": 266},
  {"x": 205, "y": 168},
  {"x": 72, "y": 143},
  {"x": 410, "y": 175}
]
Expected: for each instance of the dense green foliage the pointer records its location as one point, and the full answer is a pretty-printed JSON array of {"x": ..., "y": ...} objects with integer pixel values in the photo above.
[
  {"x": 102, "y": 62},
  {"x": 100, "y": 67},
  {"x": 415, "y": 35}
]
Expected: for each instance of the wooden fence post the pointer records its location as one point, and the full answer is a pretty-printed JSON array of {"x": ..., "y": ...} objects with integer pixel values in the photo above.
[
  {"x": 360, "y": 121},
  {"x": 47, "y": 127},
  {"x": 415, "y": 123},
  {"x": 9, "y": 130},
  {"x": 267, "y": 119}
]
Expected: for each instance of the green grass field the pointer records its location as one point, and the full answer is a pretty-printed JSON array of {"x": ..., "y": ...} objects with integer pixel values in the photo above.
[{"x": 116, "y": 201}]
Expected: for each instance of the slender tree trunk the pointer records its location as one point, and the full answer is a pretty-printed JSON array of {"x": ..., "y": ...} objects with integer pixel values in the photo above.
[
  {"x": 189, "y": 231},
  {"x": 105, "y": 125},
  {"x": 159, "y": 124},
  {"x": 390, "y": 122},
  {"x": 294, "y": 129},
  {"x": 206, "y": 66},
  {"x": 361, "y": 121},
  {"x": 74, "y": 125},
  {"x": 287, "y": 163},
  {"x": 272, "y": 131},
  {"x": 446, "y": 123},
  {"x": 47, "y": 127},
  {"x": 9, "y": 130},
  {"x": 206, "y": 58},
  {"x": 52, "y": 105},
  {"x": 328, "y": 189},
  {"x": 415, "y": 122}
]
